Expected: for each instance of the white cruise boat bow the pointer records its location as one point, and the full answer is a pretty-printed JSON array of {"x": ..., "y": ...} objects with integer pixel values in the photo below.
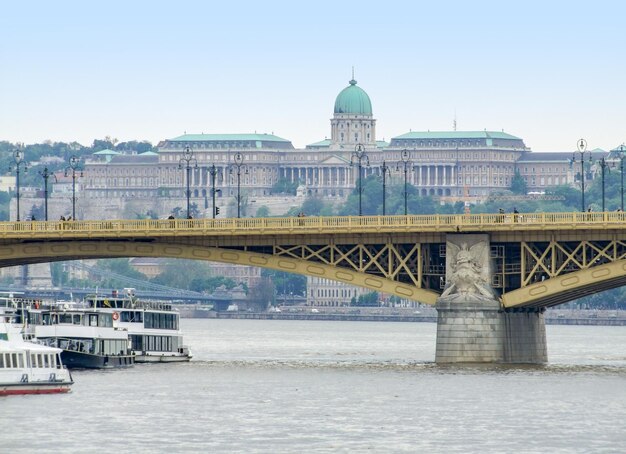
[{"x": 29, "y": 368}]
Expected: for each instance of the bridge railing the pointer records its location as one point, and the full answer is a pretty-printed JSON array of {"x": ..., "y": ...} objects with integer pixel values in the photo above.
[{"x": 434, "y": 222}]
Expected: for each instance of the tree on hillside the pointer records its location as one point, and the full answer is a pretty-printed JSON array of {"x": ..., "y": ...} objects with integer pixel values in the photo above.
[
  {"x": 284, "y": 186},
  {"x": 263, "y": 212},
  {"x": 262, "y": 294},
  {"x": 518, "y": 184}
]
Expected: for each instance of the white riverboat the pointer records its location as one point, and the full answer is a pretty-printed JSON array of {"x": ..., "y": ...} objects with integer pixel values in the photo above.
[
  {"x": 88, "y": 338},
  {"x": 153, "y": 326},
  {"x": 29, "y": 368}
]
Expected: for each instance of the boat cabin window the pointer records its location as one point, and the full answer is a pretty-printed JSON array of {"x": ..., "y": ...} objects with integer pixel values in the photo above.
[
  {"x": 158, "y": 320},
  {"x": 76, "y": 319},
  {"x": 105, "y": 319},
  {"x": 11, "y": 360},
  {"x": 93, "y": 319},
  {"x": 131, "y": 316},
  {"x": 65, "y": 318}
]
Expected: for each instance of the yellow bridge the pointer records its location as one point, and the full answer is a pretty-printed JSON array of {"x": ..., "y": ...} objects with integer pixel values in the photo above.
[{"x": 538, "y": 259}]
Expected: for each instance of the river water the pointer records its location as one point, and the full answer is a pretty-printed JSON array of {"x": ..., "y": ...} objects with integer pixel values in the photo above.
[{"x": 264, "y": 386}]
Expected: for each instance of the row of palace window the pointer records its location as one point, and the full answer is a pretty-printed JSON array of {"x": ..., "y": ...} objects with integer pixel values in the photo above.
[
  {"x": 550, "y": 182},
  {"x": 334, "y": 293},
  {"x": 547, "y": 170}
]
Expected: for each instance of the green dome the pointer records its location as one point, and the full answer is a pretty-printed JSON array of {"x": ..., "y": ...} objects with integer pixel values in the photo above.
[{"x": 353, "y": 100}]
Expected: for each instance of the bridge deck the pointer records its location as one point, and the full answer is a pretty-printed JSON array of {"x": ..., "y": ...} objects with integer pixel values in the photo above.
[{"x": 314, "y": 224}]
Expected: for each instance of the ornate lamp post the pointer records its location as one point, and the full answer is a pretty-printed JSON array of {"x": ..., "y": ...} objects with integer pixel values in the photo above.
[
  {"x": 582, "y": 149},
  {"x": 18, "y": 157},
  {"x": 603, "y": 166},
  {"x": 622, "y": 150},
  {"x": 405, "y": 162},
  {"x": 214, "y": 172},
  {"x": 45, "y": 175},
  {"x": 385, "y": 170},
  {"x": 238, "y": 164},
  {"x": 73, "y": 169},
  {"x": 185, "y": 163},
  {"x": 358, "y": 156}
]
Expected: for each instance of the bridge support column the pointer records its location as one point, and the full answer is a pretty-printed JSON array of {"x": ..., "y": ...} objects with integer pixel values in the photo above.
[
  {"x": 487, "y": 334},
  {"x": 472, "y": 326}
]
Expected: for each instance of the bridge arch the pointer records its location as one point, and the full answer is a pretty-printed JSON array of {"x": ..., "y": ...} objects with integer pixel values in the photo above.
[
  {"x": 567, "y": 287},
  {"x": 42, "y": 252}
]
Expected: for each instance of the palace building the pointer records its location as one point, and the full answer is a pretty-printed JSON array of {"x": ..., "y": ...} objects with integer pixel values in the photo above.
[{"x": 446, "y": 163}]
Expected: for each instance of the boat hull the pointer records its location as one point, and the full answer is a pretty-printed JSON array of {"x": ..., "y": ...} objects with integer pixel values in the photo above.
[
  {"x": 34, "y": 388},
  {"x": 81, "y": 360},
  {"x": 139, "y": 358}
]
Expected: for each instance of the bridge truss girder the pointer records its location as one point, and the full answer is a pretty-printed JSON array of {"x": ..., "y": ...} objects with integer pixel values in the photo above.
[
  {"x": 555, "y": 272},
  {"x": 381, "y": 268}
]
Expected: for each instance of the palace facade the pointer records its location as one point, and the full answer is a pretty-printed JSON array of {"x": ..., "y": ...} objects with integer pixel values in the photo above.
[{"x": 449, "y": 163}]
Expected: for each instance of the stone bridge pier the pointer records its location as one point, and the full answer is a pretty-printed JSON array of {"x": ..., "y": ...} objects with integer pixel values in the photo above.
[{"x": 472, "y": 326}]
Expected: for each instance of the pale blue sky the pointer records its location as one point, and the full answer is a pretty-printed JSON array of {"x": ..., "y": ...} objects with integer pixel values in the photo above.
[{"x": 549, "y": 72}]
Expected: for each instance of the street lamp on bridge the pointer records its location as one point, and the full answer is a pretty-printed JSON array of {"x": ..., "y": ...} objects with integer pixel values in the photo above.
[
  {"x": 405, "y": 163},
  {"x": 18, "y": 157},
  {"x": 603, "y": 167},
  {"x": 45, "y": 174},
  {"x": 582, "y": 149},
  {"x": 622, "y": 150},
  {"x": 384, "y": 169},
  {"x": 359, "y": 156},
  {"x": 214, "y": 172},
  {"x": 73, "y": 169},
  {"x": 238, "y": 164},
  {"x": 185, "y": 163}
]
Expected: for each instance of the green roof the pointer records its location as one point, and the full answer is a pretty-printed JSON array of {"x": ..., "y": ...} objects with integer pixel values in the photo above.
[
  {"x": 227, "y": 138},
  {"x": 321, "y": 144},
  {"x": 353, "y": 100},
  {"x": 107, "y": 152},
  {"x": 457, "y": 135},
  {"x": 148, "y": 153},
  {"x": 382, "y": 144}
]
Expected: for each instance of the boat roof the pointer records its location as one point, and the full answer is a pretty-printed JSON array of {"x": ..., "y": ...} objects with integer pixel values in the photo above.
[{"x": 20, "y": 346}]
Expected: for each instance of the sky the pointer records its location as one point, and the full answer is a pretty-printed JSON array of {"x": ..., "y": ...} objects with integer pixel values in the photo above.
[{"x": 550, "y": 72}]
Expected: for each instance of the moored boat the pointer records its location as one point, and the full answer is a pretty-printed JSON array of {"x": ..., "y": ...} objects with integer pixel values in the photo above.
[
  {"x": 153, "y": 326},
  {"x": 29, "y": 368},
  {"x": 88, "y": 338}
]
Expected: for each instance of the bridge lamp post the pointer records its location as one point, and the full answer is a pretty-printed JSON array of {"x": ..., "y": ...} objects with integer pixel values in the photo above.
[
  {"x": 405, "y": 162},
  {"x": 582, "y": 149},
  {"x": 18, "y": 157},
  {"x": 214, "y": 172},
  {"x": 359, "y": 156},
  {"x": 622, "y": 150},
  {"x": 385, "y": 170},
  {"x": 45, "y": 174},
  {"x": 73, "y": 169},
  {"x": 238, "y": 164},
  {"x": 185, "y": 163},
  {"x": 603, "y": 166}
]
